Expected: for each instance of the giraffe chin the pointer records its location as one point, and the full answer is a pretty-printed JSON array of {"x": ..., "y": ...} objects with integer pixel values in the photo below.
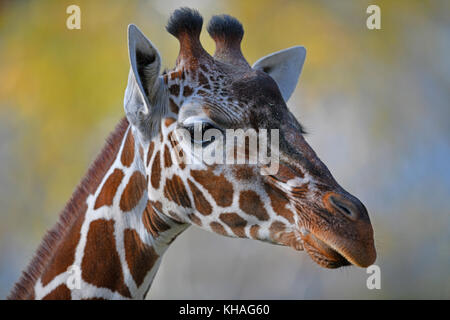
[{"x": 323, "y": 254}]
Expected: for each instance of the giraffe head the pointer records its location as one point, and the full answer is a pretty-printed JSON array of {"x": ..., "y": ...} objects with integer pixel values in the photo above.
[{"x": 299, "y": 204}]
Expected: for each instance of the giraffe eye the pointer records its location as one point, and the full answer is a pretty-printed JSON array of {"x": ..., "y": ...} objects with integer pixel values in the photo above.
[{"x": 197, "y": 133}]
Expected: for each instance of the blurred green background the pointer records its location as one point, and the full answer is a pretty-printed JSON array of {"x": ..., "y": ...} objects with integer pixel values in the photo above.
[{"x": 375, "y": 104}]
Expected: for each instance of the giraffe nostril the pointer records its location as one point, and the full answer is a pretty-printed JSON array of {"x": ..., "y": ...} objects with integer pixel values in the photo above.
[
  {"x": 344, "y": 209},
  {"x": 344, "y": 206}
]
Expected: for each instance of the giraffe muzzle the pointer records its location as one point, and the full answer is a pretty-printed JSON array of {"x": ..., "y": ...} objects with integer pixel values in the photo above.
[
  {"x": 323, "y": 254},
  {"x": 347, "y": 238},
  {"x": 332, "y": 252}
]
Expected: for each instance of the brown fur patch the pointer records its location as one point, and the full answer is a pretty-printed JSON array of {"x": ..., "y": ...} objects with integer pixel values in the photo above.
[
  {"x": 218, "y": 228},
  {"x": 151, "y": 147},
  {"x": 202, "y": 80},
  {"x": 276, "y": 231},
  {"x": 244, "y": 172},
  {"x": 169, "y": 121},
  {"x": 140, "y": 256},
  {"x": 174, "y": 90},
  {"x": 285, "y": 173},
  {"x": 24, "y": 288},
  {"x": 133, "y": 191},
  {"x": 254, "y": 229},
  {"x": 181, "y": 160},
  {"x": 218, "y": 186},
  {"x": 101, "y": 263},
  {"x": 109, "y": 189},
  {"x": 250, "y": 203},
  {"x": 235, "y": 222},
  {"x": 195, "y": 219},
  {"x": 175, "y": 191},
  {"x": 173, "y": 106},
  {"x": 167, "y": 157},
  {"x": 201, "y": 204},
  {"x": 127, "y": 156},
  {"x": 279, "y": 203},
  {"x": 61, "y": 292},
  {"x": 173, "y": 141},
  {"x": 177, "y": 74},
  {"x": 157, "y": 204},
  {"x": 187, "y": 91},
  {"x": 65, "y": 252},
  {"x": 152, "y": 222},
  {"x": 156, "y": 171},
  {"x": 179, "y": 154}
]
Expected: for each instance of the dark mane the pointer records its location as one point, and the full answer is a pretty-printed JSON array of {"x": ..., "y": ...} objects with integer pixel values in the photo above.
[{"x": 23, "y": 289}]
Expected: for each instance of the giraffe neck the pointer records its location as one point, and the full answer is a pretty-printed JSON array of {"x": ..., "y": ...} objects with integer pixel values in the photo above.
[{"x": 110, "y": 233}]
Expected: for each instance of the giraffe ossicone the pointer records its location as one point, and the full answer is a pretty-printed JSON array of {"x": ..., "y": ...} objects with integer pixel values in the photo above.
[{"x": 148, "y": 185}]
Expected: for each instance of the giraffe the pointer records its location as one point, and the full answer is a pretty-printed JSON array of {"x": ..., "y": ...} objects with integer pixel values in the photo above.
[{"x": 141, "y": 192}]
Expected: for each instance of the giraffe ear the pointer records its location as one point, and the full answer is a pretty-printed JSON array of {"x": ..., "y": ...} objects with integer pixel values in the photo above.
[
  {"x": 284, "y": 67},
  {"x": 145, "y": 92}
]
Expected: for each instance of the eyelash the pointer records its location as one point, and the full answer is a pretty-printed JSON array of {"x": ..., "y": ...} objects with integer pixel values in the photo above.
[{"x": 204, "y": 127}]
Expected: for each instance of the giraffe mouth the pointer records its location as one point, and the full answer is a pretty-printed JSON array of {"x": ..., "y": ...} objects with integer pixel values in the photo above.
[{"x": 322, "y": 253}]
